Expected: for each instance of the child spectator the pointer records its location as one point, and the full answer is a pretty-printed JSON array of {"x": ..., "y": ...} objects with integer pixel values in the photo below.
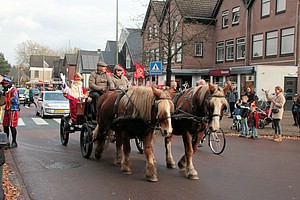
[
  {"x": 295, "y": 111},
  {"x": 253, "y": 120},
  {"x": 245, "y": 109}
]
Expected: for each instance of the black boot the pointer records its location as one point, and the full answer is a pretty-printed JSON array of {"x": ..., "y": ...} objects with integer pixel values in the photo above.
[{"x": 14, "y": 137}]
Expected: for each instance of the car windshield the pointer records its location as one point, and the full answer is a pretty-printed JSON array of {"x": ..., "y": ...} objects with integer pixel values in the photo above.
[
  {"x": 54, "y": 96},
  {"x": 21, "y": 90}
]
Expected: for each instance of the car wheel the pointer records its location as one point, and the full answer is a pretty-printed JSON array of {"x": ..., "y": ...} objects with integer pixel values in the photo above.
[{"x": 42, "y": 114}]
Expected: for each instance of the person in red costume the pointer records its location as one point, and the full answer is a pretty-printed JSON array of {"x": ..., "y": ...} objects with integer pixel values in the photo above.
[{"x": 75, "y": 93}]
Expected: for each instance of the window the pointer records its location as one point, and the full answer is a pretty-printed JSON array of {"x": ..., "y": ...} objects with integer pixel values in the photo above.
[
  {"x": 229, "y": 50},
  {"x": 152, "y": 55},
  {"x": 172, "y": 53},
  {"x": 236, "y": 15},
  {"x": 257, "y": 46},
  {"x": 280, "y": 6},
  {"x": 128, "y": 61},
  {"x": 165, "y": 57},
  {"x": 287, "y": 41},
  {"x": 149, "y": 33},
  {"x": 220, "y": 51},
  {"x": 240, "y": 49},
  {"x": 265, "y": 8},
  {"x": 271, "y": 43},
  {"x": 179, "y": 52},
  {"x": 198, "y": 49},
  {"x": 225, "y": 19},
  {"x": 157, "y": 54},
  {"x": 36, "y": 74},
  {"x": 175, "y": 24},
  {"x": 155, "y": 31},
  {"x": 147, "y": 56}
]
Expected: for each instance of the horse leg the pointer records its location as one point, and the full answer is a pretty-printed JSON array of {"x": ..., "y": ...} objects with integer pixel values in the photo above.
[
  {"x": 126, "y": 167},
  {"x": 169, "y": 157},
  {"x": 191, "y": 173},
  {"x": 150, "y": 169},
  {"x": 118, "y": 157},
  {"x": 99, "y": 141}
]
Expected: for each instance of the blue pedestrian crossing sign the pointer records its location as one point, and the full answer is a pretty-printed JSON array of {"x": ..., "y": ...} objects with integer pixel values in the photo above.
[{"x": 155, "y": 68}]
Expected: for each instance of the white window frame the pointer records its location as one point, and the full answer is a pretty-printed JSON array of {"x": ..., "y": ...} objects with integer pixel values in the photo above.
[
  {"x": 175, "y": 24},
  {"x": 157, "y": 54},
  {"x": 220, "y": 49},
  {"x": 149, "y": 33},
  {"x": 172, "y": 53},
  {"x": 155, "y": 31},
  {"x": 265, "y": 8},
  {"x": 199, "y": 49},
  {"x": 257, "y": 45},
  {"x": 229, "y": 50},
  {"x": 240, "y": 48},
  {"x": 235, "y": 15},
  {"x": 287, "y": 41},
  {"x": 280, "y": 6},
  {"x": 165, "y": 57},
  {"x": 179, "y": 53},
  {"x": 225, "y": 19},
  {"x": 271, "y": 43}
]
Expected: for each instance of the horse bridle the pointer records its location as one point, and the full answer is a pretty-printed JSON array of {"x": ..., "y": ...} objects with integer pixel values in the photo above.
[
  {"x": 157, "y": 120},
  {"x": 208, "y": 100}
]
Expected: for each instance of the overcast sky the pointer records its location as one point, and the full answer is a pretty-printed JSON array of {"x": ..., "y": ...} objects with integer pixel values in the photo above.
[{"x": 85, "y": 24}]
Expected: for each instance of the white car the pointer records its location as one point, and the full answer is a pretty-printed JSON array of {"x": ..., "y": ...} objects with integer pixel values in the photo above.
[{"x": 52, "y": 103}]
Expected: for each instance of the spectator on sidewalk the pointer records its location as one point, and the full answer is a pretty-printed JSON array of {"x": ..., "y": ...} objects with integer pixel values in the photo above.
[
  {"x": 295, "y": 110},
  {"x": 251, "y": 95},
  {"x": 298, "y": 114},
  {"x": 253, "y": 121},
  {"x": 277, "y": 109},
  {"x": 232, "y": 98},
  {"x": 245, "y": 110}
]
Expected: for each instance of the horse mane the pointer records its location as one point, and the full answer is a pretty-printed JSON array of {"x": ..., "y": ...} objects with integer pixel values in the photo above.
[{"x": 138, "y": 102}]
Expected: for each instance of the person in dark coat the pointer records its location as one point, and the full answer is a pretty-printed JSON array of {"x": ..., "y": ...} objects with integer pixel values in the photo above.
[{"x": 251, "y": 95}]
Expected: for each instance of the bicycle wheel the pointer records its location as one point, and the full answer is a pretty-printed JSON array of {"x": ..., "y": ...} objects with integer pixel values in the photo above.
[
  {"x": 139, "y": 145},
  {"x": 217, "y": 141}
]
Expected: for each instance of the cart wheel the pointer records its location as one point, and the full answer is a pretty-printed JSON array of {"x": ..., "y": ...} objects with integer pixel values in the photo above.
[
  {"x": 86, "y": 141},
  {"x": 217, "y": 141},
  {"x": 261, "y": 124},
  {"x": 64, "y": 134},
  {"x": 139, "y": 145}
]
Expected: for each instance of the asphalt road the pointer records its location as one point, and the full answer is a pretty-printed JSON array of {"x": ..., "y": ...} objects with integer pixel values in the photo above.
[{"x": 247, "y": 169}]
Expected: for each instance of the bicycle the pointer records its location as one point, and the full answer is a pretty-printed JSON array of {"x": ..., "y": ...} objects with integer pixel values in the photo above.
[{"x": 216, "y": 140}]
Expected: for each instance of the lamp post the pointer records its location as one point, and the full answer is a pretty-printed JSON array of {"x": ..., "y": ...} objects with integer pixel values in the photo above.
[
  {"x": 43, "y": 71},
  {"x": 117, "y": 13}
]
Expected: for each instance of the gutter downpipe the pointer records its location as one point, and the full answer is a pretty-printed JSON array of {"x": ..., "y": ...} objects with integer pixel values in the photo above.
[{"x": 297, "y": 47}]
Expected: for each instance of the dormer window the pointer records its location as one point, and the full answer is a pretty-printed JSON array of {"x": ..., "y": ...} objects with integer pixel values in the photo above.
[
  {"x": 225, "y": 19},
  {"x": 236, "y": 16}
]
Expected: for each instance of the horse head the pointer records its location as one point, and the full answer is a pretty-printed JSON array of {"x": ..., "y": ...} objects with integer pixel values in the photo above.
[
  {"x": 162, "y": 109},
  {"x": 216, "y": 104}
]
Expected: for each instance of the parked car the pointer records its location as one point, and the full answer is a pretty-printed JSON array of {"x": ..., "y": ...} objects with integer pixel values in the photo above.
[
  {"x": 22, "y": 95},
  {"x": 52, "y": 103}
]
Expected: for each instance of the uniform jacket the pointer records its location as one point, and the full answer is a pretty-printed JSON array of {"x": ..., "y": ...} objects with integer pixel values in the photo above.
[
  {"x": 279, "y": 103},
  {"x": 120, "y": 82},
  {"x": 12, "y": 99},
  {"x": 100, "y": 81}
]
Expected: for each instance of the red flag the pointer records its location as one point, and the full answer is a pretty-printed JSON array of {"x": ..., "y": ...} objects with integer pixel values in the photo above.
[
  {"x": 139, "y": 70},
  {"x": 109, "y": 72},
  {"x": 124, "y": 70}
]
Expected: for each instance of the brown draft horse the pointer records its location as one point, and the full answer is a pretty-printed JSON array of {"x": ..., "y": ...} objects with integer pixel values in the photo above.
[
  {"x": 195, "y": 110},
  {"x": 140, "y": 112}
]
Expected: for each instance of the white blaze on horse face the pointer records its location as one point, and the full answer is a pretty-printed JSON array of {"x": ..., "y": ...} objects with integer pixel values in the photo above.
[
  {"x": 217, "y": 104},
  {"x": 164, "y": 114}
]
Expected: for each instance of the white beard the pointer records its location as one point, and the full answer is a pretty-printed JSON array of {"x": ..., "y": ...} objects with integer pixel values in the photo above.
[{"x": 76, "y": 89}]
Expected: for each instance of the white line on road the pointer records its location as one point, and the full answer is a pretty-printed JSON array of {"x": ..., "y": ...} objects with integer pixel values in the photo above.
[
  {"x": 21, "y": 122},
  {"x": 39, "y": 121},
  {"x": 57, "y": 120}
]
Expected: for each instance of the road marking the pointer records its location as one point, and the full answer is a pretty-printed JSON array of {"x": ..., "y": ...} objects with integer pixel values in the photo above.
[
  {"x": 21, "y": 122},
  {"x": 39, "y": 121},
  {"x": 57, "y": 120}
]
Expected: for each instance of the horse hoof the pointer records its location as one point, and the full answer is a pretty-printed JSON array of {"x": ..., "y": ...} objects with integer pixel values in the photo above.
[
  {"x": 118, "y": 164},
  {"x": 152, "y": 179},
  {"x": 98, "y": 156},
  {"x": 126, "y": 172},
  {"x": 193, "y": 177},
  {"x": 171, "y": 165}
]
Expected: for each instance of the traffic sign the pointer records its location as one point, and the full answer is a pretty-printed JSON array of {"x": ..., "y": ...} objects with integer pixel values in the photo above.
[{"x": 155, "y": 68}]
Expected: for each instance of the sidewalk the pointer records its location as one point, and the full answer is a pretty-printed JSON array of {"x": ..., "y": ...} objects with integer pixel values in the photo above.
[{"x": 286, "y": 123}]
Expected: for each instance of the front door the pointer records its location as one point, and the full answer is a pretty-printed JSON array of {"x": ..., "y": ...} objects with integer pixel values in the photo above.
[{"x": 290, "y": 89}]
